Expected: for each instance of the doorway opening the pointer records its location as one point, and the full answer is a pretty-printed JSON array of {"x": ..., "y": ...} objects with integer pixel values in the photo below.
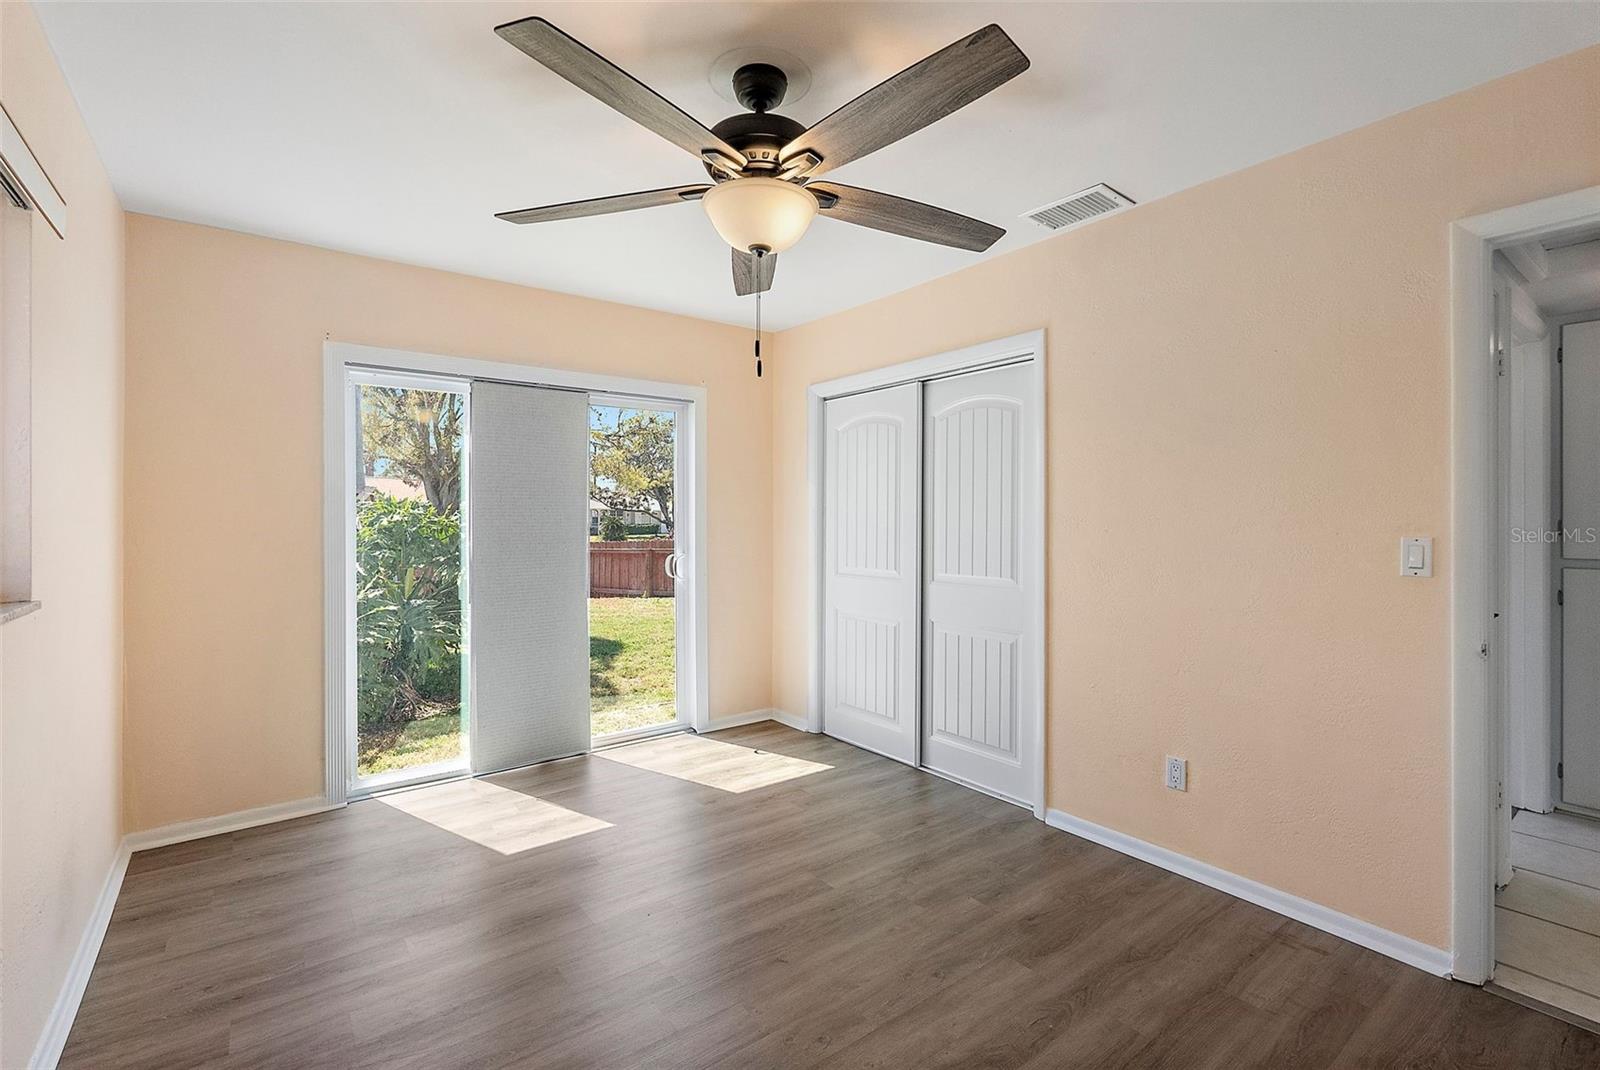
[
  {"x": 1545, "y": 677},
  {"x": 1501, "y": 582},
  {"x": 634, "y": 567}
]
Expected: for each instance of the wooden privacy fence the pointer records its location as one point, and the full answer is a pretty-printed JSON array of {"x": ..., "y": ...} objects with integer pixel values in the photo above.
[{"x": 635, "y": 568}]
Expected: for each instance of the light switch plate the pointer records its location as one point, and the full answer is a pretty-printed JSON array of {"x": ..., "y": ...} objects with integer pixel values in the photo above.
[{"x": 1416, "y": 555}]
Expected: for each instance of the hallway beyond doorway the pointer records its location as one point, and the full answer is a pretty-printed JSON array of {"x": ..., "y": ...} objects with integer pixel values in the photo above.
[{"x": 1547, "y": 920}]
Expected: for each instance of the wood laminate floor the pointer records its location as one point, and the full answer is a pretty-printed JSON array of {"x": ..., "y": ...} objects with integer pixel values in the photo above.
[
  {"x": 761, "y": 898},
  {"x": 1547, "y": 920}
]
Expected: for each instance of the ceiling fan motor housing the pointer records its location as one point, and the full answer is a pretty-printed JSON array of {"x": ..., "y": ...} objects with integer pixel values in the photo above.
[
  {"x": 760, "y": 86},
  {"x": 760, "y": 135}
]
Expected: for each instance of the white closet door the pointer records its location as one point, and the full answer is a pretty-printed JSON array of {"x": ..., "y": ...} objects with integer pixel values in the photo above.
[
  {"x": 870, "y": 575},
  {"x": 1580, "y": 439},
  {"x": 1580, "y": 687},
  {"x": 976, "y": 645},
  {"x": 528, "y": 575}
]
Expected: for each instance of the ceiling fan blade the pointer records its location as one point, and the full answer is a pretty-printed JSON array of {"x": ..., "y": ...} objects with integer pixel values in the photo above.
[
  {"x": 622, "y": 202},
  {"x": 910, "y": 219},
  {"x": 746, "y": 279},
  {"x": 923, "y": 93},
  {"x": 610, "y": 84}
]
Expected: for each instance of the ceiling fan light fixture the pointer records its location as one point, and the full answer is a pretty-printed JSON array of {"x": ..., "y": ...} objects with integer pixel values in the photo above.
[{"x": 765, "y": 213}]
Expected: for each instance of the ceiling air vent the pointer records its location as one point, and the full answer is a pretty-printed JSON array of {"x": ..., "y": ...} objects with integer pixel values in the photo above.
[{"x": 1079, "y": 208}]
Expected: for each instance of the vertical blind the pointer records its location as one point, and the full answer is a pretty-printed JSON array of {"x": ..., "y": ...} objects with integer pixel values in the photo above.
[{"x": 528, "y": 490}]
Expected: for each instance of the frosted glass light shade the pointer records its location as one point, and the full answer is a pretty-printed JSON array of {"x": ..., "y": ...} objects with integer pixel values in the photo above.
[{"x": 766, "y": 212}]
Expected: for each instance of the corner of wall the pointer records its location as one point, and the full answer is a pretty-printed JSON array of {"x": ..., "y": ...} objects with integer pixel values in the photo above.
[{"x": 62, "y": 685}]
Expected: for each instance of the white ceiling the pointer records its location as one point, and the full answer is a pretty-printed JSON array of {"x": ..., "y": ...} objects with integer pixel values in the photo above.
[{"x": 397, "y": 130}]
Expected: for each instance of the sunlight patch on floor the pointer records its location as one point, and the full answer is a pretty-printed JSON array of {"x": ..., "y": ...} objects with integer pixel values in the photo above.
[
  {"x": 713, "y": 763},
  {"x": 498, "y": 818}
]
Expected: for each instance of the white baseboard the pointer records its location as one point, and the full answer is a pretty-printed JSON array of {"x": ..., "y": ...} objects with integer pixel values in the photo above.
[
  {"x": 734, "y": 720},
  {"x": 1411, "y": 952},
  {"x": 53, "y": 1038},
  {"x": 790, "y": 720},
  {"x": 200, "y": 828}
]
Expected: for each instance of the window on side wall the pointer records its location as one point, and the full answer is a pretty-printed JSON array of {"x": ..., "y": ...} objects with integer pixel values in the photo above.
[{"x": 27, "y": 198}]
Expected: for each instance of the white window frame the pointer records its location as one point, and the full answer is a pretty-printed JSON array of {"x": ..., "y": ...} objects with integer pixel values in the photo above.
[
  {"x": 16, "y": 410},
  {"x": 25, "y": 191},
  {"x": 341, "y": 438},
  {"x": 1027, "y": 349}
]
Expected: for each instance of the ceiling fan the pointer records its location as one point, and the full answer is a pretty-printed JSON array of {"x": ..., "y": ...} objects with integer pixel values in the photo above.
[{"x": 763, "y": 166}]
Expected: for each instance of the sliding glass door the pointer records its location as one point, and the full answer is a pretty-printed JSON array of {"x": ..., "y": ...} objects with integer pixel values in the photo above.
[
  {"x": 636, "y": 565},
  {"x": 407, "y": 521},
  {"x": 514, "y": 570}
]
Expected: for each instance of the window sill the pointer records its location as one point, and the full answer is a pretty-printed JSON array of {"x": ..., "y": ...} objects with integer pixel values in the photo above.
[{"x": 10, "y": 611}]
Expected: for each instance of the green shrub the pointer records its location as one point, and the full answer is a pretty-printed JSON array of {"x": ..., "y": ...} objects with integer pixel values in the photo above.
[
  {"x": 612, "y": 529},
  {"x": 408, "y": 610}
]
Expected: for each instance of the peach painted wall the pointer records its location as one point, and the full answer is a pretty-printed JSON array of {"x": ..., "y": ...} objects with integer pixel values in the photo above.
[
  {"x": 61, "y": 668},
  {"x": 1248, "y": 406},
  {"x": 224, "y": 439}
]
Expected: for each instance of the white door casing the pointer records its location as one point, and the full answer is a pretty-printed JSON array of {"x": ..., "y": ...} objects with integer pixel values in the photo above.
[
  {"x": 1474, "y": 714},
  {"x": 870, "y": 570},
  {"x": 976, "y": 640}
]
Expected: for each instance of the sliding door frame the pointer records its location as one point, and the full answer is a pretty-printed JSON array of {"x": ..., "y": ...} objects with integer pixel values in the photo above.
[
  {"x": 683, "y": 638},
  {"x": 341, "y": 438},
  {"x": 354, "y": 378},
  {"x": 1027, "y": 349}
]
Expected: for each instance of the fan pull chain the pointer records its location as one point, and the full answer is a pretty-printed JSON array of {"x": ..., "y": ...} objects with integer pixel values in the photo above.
[{"x": 758, "y": 314}]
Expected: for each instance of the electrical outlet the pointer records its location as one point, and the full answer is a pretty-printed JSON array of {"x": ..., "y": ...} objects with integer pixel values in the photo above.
[{"x": 1177, "y": 774}]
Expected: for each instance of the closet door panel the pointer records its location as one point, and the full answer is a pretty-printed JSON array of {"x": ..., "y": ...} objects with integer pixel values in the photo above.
[
  {"x": 870, "y": 613},
  {"x": 528, "y": 575},
  {"x": 976, "y": 641}
]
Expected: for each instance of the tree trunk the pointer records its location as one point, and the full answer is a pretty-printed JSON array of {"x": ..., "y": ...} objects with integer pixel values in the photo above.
[{"x": 663, "y": 496}]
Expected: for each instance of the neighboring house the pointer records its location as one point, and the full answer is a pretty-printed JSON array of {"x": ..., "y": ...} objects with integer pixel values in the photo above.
[
  {"x": 393, "y": 486},
  {"x": 634, "y": 518}
]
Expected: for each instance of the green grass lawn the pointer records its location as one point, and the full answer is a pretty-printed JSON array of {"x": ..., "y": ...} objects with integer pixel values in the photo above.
[
  {"x": 632, "y": 684},
  {"x": 632, "y": 678},
  {"x": 420, "y": 742}
]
